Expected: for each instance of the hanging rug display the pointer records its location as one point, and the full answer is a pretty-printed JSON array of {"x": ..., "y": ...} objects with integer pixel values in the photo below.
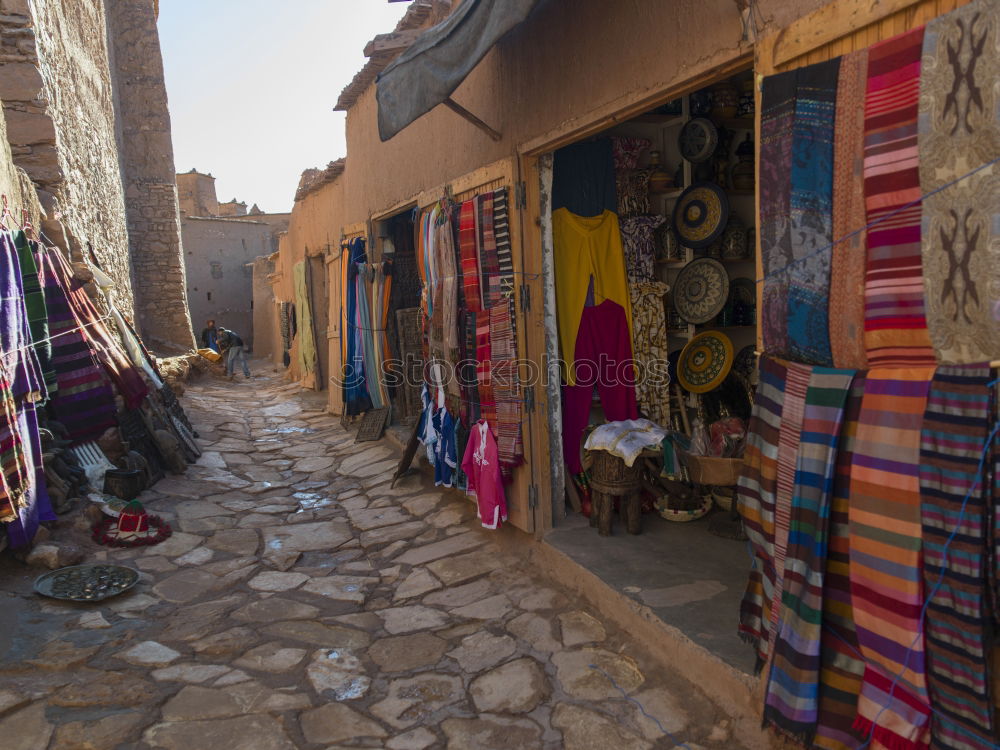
[
  {"x": 133, "y": 527},
  {"x": 705, "y": 362},
  {"x": 82, "y": 583},
  {"x": 700, "y": 215},
  {"x": 701, "y": 290}
]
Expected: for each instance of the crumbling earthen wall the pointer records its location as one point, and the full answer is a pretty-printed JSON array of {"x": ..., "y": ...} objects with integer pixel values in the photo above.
[{"x": 148, "y": 174}]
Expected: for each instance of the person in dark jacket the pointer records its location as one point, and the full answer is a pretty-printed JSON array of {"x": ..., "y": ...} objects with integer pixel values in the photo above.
[
  {"x": 210, "y": 336},
  {"x": 232, "y": 345}
]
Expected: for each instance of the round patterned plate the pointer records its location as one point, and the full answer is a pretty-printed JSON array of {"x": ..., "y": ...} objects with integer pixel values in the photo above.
[
  {"x": 86, "y": 583},
  {"x": 698, "y": 139},
  {"x": 705, "y": 362},
  {"x": 701, "y": 290},
  {"x": 700, "y": 215}
]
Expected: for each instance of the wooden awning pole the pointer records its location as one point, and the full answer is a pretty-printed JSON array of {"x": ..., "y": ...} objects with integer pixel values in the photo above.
[{"x": 467, "y": 115}]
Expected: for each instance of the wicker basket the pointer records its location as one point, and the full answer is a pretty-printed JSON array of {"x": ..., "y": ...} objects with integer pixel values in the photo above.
[
  {"x": 682, "y": 512},
  {"x": 609, "y": 474},
  {"x": 723, "y": 472}
]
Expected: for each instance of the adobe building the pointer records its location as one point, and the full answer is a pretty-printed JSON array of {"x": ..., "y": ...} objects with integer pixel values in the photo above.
[
  {"x": 467, "y": 126},
  {"x": 85, "y": 110},
  {"x": 221, "y": 243}
]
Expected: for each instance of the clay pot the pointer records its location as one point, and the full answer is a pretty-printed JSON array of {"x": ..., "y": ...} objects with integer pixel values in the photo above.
[{"x": 725, "y": 100}]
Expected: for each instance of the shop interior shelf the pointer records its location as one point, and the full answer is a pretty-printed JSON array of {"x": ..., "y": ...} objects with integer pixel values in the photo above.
[
  {"x": 736, "y": 123},
  {"x": 664, "y": 120}
]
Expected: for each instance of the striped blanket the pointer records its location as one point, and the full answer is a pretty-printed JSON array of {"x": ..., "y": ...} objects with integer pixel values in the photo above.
[
  {"x": 886, "y": 583},
  {"x": 895, "y": 325},
  {"x": 812, "y": 213},
  {"x": 791, "y": 704},
  {"x": 468, "y": 255},
  {"x": 506, "y": 386},
  {"x": 954, "y": 431},
  {"x": 842, "y": 667},
  {"x": 489, "y": 262},
  {"x": 505, "y": 259},
  {"x": 847, "y": 269},
  {"x": 755, "y": 497},
  {"x": 34, "y": 304},
  {"x": 792, "y": 413},
  {"x": 14, "y": 475},
  {"x": 84, "y": 403}
]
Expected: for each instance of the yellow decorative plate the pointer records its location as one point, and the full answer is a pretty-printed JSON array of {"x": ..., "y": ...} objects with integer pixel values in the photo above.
[{"x": 705, "y": 362}]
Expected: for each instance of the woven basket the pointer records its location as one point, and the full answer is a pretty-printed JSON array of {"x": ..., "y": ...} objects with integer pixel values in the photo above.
[
  {"x": 683, "y": 514},
  {"x": 723, "y": 497},
  {"x": 723, "y": 472}
]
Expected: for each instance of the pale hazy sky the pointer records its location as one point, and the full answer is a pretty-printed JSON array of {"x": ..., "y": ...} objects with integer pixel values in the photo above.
[{"x": 252, "y": 84}]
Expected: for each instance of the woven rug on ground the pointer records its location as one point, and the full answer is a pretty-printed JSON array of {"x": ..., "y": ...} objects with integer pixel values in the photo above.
[
  {"x": 951, "y": 443},
  {"x": 847, "y": 269},
  {"x": 842, "y": 667},
  {"x": 895, "y": 325},
  {"x": 812, "y": 213},
  {"x": 777, "y": 116},
  {"x": 755, "y": 493},
  {"x": 791, "y": 704},
  {"x": 959, "y": 131},
  {"x": 886, "y": 584}
]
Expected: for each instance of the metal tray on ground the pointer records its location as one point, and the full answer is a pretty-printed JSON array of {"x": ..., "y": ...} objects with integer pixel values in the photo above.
[
  {"x": 86, "y": 583},
  {"x": 372, "y": 425}
]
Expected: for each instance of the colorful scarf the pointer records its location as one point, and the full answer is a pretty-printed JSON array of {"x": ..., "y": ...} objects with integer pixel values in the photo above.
[
  {"x": 445, "y": 243},
  {"x": 755, "y": 497},
  {"x": 469, "y": 369},
  {"x": 84, "y": 402},
  {"x": 34, "y": 305},
  {"x": 505, "y": 258},
  {"x": 791, "y": 704},
  {"x": 895, "y": 326},
  {"x": 792, "y": 414},
  {"x": 959, "y": 131},
  {"x": 847, "y": 267},
  {"x": 886, "y": 584},
  {"x": 356, "y": 398},
  {"x": 489, "y": 261},
  {"x": 467, "y": 246},
  {"x": 776, "y": 123},
  {"x": 14, "y": 476},
  {"x": 506, "y": 386},
  {"x": 954, "y": 431},
  {"x": 812, "y": 213},
  {"x": 842, "y": 667},
  {"x": 15, "y": 335},
  {"x": 484, "y": 367}
]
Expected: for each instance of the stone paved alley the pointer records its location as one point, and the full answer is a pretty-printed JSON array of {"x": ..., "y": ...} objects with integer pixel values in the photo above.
[{"x": 303, "y": 603}]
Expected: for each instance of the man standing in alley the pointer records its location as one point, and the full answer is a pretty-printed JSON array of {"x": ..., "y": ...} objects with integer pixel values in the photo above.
[
  {"x": 231, "y": 346},
  {"x": 210, "y": 336}
]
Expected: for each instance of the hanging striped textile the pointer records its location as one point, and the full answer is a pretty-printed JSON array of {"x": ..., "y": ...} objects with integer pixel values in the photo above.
[
  {"x": 792, "y": 413},
  {"x": 895, "y": 324},
  {"x": 484, "y": 366},
  {"x": 469, "y": 368},
  {"x": 506, "y": 386},
  {"x": 755, "y": 497},
  {"x": 445, "y": 242},
  {"x": 847, "y": 270},
  {"x": 955, "y": 428},
  {"x": 501, "y": 231},
  {"x": 489, "y": 262},
  {"x": 467, "y": 246},
  {"x": 886, "y": 583},
  {"x": 776, "y": 121},
  {"x": 34, "y": 305},
  {"x": 842, "y": 667},
  {"x": 791, "y": 704},
  {"x": 811, "y": 216},
  {"x": 84, "y": 403},
  {"x": 14, "y": 477}
]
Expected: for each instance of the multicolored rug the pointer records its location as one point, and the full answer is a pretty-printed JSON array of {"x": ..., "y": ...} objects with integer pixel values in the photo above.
[
  {"x": 812, "y": 213},
  {"x": 489, "y": 262},
  {"x": 886, "y": 581},
  {"x": 895, "y": 324},
  {"x": 955, "y": 428},
  {"x": 842, "y": 667},
  {"x": 959, "y": 131},
  {"x": 755, "y": 498},
  {"x": 776, "y": 122},
  {"x": 468, "y": 256},
  {"x": 847, "y": 268},
  {"x": 506, "y": 386},
  {"x": 792, "y": 704}
]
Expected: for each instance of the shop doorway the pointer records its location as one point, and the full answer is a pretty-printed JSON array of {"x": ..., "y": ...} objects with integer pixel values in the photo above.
[{"x": 648, "y": 238}]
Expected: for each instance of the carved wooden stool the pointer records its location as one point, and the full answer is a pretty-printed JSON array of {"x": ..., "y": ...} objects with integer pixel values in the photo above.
[{"x": 611, "y": 478}]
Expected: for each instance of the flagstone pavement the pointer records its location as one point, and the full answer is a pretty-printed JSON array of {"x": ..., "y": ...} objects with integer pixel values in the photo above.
[{"x": 302, "y": 602}]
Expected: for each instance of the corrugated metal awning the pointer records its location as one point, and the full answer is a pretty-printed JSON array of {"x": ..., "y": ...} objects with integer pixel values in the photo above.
[{"x": 440, "y": 59}]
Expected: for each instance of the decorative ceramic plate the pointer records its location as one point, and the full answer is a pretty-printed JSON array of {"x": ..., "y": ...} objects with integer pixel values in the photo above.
[
  {"x": 701, "y": 290},
  {"x": 698, "y": 139},
  {"x": 700, "y": 215},
  {"x": 705, "y": 362},
  {"x": 86, "y": 583}
]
